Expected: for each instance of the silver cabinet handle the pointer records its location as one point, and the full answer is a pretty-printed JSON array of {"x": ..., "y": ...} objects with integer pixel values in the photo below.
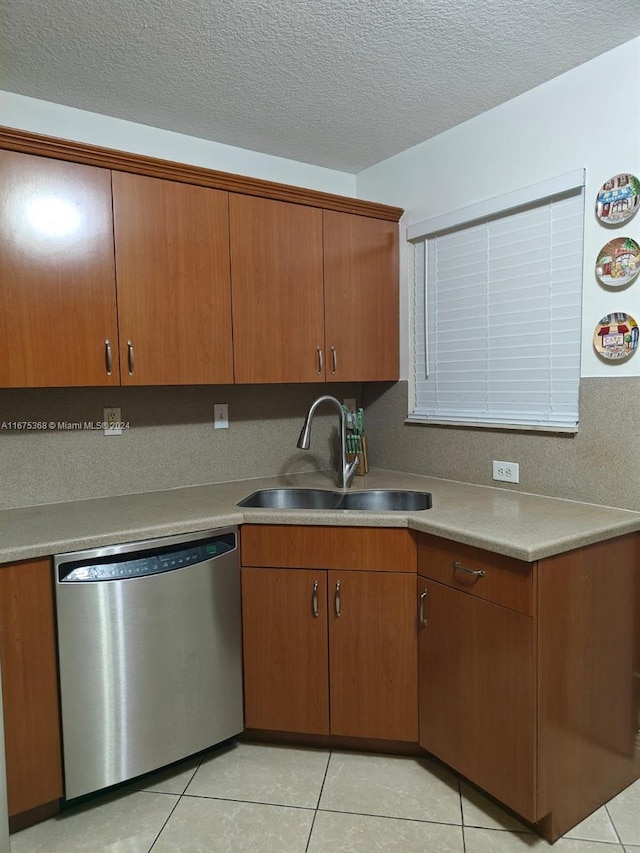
[
  {"x": 334, "y": 360},
  {"x": 477, "y": 573},
  {"x": 108, "y": 356},
  {"x": 337, "y": 600},
  {"x": 314, "y": 599},
  {"x": 320, "y": 361},
  {"x": 131, "y": 357},
  {"x": 424, "y": 622}
]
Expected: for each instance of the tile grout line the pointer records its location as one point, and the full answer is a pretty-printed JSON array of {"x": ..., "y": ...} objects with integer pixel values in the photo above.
[
  {"x": 180, "y": 796},
  {"x": 248, "y": 802},
  {"x": 464, "y": 840},
  {"x": 428, "y": 821},
  {"x": 153, "y": 843},
  {"x": 315, "y": 812},
  {"x": 613, "y": 824}
]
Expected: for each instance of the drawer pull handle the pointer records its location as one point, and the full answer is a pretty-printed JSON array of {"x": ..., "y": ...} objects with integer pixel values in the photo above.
[
  {"x": 108, "y": 356},
  {"x": 477, "y": 573},
  {"x": 320, "y": 361},
  {"x": 424, "y": 622},
  {"x": 337, "y": 600},
  {"x": 314, "y": 599}
]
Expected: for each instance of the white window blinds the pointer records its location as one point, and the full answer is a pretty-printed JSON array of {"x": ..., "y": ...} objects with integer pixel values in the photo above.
[{"x": 497, "y": 318}]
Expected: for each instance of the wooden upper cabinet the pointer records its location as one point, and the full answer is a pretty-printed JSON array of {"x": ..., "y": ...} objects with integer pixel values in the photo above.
[
  {"x": 361, "y": 297},
  {"x": 57, "y": 280},
  {"x": 174, "y": 298},
  {"x": 110, "y": 277},
  {"x": 278, "y": 295},
  {"x": 315, "y": 293}
]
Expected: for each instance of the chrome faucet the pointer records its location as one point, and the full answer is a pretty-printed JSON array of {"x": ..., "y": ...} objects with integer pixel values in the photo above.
[{"x": 348, "y": 469}]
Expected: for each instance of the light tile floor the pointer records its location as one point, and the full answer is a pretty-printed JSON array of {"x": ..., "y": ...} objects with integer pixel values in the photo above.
[{"x": 270, "y": 799}]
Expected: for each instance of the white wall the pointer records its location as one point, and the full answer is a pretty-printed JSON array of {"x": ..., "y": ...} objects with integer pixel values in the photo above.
[
  {"x": 587, "y": 117},
  {"x": 37, "y": 116}
]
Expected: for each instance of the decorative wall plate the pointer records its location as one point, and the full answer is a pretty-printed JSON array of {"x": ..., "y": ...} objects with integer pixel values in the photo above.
[
  {"x": 616, "y": 336},
  {"x": 618, "y": 262},
  {"x": 618, "y": 199}
]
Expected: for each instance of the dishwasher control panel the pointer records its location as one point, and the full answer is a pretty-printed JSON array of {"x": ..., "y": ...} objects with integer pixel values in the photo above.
[{"x": 138, "y": 563}]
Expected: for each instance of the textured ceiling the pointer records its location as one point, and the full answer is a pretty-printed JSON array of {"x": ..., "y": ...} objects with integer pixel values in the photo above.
[{"x": 338, "y": 83}]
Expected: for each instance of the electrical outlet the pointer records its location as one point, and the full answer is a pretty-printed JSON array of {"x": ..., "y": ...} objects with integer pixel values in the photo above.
[
  {"x": 507, "y": 471},
  {"x": 221, "y": 416},
  {"x": 112, "y": 419}
]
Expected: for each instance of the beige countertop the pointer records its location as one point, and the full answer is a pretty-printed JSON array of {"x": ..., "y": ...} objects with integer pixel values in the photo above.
[{"x": 527, "y": 527}]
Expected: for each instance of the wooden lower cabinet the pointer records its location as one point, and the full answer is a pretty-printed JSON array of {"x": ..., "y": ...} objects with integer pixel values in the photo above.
[
  {"x": 286, "y": 673},
  {"x": 588, "y": 648},
  {"x": 530, "y": 678},
  {"x": 30, "y": 685},
  {"x": 373, "y": 662},
  {"x": 330, "y": 650},
  {"x": 477, "y": 688}
]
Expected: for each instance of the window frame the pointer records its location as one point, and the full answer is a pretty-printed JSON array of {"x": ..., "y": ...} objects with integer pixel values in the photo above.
[{"x": 488, "y": 210}]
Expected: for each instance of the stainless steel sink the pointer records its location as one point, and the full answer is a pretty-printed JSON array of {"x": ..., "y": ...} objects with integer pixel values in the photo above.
[
  {"x": 380, "y": 500},
  {"x": 292, "y": 499},
  {"x": 384, "y": 500}
]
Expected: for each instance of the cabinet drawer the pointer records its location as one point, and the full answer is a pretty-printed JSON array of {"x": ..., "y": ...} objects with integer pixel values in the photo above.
[
  {"x": 302, "y": 547},
  {"x": 505, "y": 581}
]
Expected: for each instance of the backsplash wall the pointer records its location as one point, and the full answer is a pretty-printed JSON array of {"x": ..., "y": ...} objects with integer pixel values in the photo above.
[
  {"x": 171, "y": 441},
  {"x": 598, "y": 465}
]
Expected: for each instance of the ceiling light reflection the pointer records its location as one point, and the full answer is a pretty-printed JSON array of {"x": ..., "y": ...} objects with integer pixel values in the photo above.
[{"x": 53, "y": 217}]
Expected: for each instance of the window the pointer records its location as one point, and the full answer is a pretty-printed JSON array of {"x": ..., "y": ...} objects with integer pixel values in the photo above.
[{"x": 497, "y": 310}]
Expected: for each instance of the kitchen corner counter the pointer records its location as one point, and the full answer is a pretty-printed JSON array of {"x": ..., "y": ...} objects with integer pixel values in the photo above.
[{"x": 524, "y": 526}]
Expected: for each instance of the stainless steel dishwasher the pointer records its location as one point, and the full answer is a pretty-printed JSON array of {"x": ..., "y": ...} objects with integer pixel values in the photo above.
[{"x": 150, "y": 654}]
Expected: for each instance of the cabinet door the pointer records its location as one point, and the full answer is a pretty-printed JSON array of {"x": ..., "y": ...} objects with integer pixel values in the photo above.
[
  {"x": 30, "y": 685},
  {"x": 361, "y": 297},
  {"x": 57, "y": 279},
  {"x": 477, "y": 692},
  {"x": 373, "y": 655},
  {"x": 278, "y": 296},
  {"x": 174, "y": 296},
  {"x": 285, "y": 650}
]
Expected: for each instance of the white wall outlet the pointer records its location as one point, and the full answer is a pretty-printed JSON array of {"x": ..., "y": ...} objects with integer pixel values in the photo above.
[
  {"x": 221, "y": 416},
  {"x": 112, "y": 420},
  {"x": 507, "y": 471}
]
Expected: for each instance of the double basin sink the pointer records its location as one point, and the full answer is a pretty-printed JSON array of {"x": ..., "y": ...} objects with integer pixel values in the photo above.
[{"x": 381, "y": 500}]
